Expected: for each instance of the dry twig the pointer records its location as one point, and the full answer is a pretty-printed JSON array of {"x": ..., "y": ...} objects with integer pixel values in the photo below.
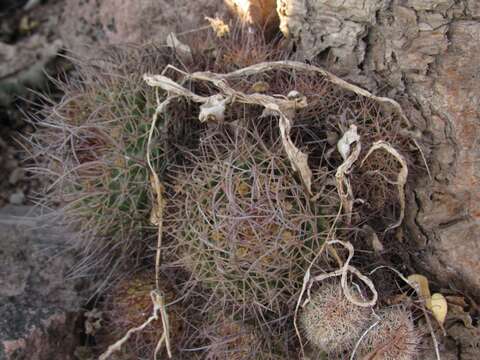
[{"x": 401, "y": 178}]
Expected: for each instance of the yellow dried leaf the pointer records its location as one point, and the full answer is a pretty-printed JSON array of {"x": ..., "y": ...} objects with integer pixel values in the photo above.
[
  {"x": 27, "y": 25},
  {"x": 218, "y": 25},
  {"x": 437, "y": 304},
  {"x": 420, "y": 283}
]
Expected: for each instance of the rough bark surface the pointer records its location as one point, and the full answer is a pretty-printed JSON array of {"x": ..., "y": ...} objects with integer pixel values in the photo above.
[
  {"x": 422, "y": 51},
  {"x": 39, "y": 309}
]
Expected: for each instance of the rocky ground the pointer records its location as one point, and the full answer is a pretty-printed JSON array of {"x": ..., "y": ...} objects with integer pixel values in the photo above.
[{"x": 40, "y": 317}]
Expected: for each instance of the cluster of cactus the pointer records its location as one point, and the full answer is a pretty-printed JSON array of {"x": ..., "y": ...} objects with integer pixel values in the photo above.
[
  {"x": 334, "y": 325},
  {"x": 244, "y": 227},
  {"x": 238, "y": 219}
]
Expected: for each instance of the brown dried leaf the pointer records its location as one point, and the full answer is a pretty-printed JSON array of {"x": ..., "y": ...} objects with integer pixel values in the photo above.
[
  {"x": 284, "y": 108},
  {"x": 343, "y": 273},
  {"x": 298, "y": 159},
  {"x": 456, "y": 312},
  {"x": 420, "y": 283},
  {"x": 158, "y": 312}
]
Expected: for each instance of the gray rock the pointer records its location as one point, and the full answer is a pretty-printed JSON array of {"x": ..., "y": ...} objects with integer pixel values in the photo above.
[
  {"x": 16, "y": 175},
  {"x": 329, "y": 24},
  {"x": 17, "y": 198},
  {"x": 39, "y": 307},
  {"x": 23, "y": 66}
]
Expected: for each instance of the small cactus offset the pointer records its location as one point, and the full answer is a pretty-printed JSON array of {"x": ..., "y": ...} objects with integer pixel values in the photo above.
[
  {"x": 127, "y": 305},
  {"x": 244, "y": 226},
  {"x": 230, "y": 339},
  {"x": 394, "y": 338},
  {"x": 331, "y": 322}
]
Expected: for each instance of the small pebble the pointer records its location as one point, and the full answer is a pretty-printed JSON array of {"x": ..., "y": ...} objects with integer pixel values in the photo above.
[
  {"x": 15, "y": 176},
  {"x": 332, "y": 138},
  {"x": 17, "y": 198}
]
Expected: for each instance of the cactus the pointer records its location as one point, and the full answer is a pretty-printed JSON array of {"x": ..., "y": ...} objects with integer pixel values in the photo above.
[
  {"x": 394, "y": 338},
  {"x": 227, "y": 338},
  {"x": 244, "y": 227},
  {"x": 127, "y": 305},
  {"x": 331, "y": 322},
  {"x": 92, "y": 146}
]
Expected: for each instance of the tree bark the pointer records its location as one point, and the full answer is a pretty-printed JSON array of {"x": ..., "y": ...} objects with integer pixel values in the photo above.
[{"x": 423, "y": 53}]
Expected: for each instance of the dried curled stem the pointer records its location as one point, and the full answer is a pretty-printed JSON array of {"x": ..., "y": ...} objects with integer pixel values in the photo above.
[
  {"x": 343, "y": 272},
  {"x": 281, "y": 106},
  {"x": 156, "y": 218},
  {"x": 158, "y": 308},
  {"x": 401, "y": 178}
]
